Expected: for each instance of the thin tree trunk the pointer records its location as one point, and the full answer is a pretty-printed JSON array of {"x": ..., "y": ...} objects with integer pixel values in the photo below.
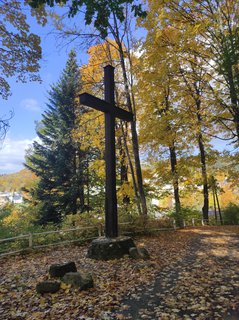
[
  {"x": 234, "y": 98},
  {"x": 80, "y": 181},
  {"x": 123, "y": 168},
  {"x": 236, "y": 122},
  {"x": 214, "y": 203},
  {"x": 196, "y": 92},
  {"x": 203, "y": 161},
  {"x": 134, "y": 135},
  {"x": 204, "y": 177},
  {"x": 88, "y": 184},
  {"x": 173, "y": 161},
  {"x": 219, "y": 208},
  {"x": 123, "y": 156},
  {"x": 75, "y": 179},
  {"x": 131, "y": 170}
]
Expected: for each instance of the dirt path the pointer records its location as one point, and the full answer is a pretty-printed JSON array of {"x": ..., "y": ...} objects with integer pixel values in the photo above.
[{"x": 203, "y": 285}]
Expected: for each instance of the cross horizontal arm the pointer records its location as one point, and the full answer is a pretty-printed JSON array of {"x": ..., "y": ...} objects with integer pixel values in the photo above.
[{"x": 101, "y": 105}]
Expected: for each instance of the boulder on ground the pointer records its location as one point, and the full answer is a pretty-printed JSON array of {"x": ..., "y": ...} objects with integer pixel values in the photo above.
[
  {"x": 139, "y": 253},
  {"x": 134, "y": 253},
  {"x": 144, "y": 253},
  {"x": 82, "y": 280},
  {"x": 110, "y": 248},
  {"x": 59, "y": 270},
  {"x": 48, "y": 287}
]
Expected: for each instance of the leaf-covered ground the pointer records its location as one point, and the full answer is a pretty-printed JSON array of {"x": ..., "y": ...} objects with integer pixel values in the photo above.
[
  {"x": 192, "y": 274},
  {"x": 204, "y": 284}
]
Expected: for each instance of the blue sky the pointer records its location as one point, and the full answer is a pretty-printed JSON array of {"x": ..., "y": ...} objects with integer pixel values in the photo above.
[{"x": 28, "y": 100}]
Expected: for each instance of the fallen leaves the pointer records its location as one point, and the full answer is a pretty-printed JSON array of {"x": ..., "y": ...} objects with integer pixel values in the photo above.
[
  {"x": 186, "y": 292},
  {"x": 203, "y": 285}
]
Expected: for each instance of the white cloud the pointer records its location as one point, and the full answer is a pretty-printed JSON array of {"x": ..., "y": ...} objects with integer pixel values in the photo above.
[
  {"x": 30, "y": 104},
  {"x": 12, "y": 155}
]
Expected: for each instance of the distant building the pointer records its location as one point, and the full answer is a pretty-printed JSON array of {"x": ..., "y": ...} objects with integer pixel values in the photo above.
[{"x": 10, "y": 197}]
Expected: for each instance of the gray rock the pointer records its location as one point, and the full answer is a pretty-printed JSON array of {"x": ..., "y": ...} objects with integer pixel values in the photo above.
[
  {"x": 107, "y": 248},
  {"x": 144, "y": 253},
  {"x": 59, "y": 270},
  {"x": 82, "y": 280},
  {"x": 48, "y": 287},
  {"x": 139, "y": 253},
  {"x": 134, "y": 253}
]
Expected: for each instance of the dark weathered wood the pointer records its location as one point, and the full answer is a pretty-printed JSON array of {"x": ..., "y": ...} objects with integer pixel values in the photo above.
[
  {"x": 111, "y": 112},
  {"x": 111, "y": 217},
  {"x": 101, "y": 105}
]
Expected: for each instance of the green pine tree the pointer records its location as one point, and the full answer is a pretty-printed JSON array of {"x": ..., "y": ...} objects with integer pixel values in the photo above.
[{"x": 57, "y": 159}]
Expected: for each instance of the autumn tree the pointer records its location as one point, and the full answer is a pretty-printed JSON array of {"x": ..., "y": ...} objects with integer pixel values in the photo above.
[
  {"x": 160, "y": 119},
  {"x": 173, "y": 35},
  {"x": 20, "y": 51},
  {"x": 58, "y": 160},
  {"x": 119, "y": 33},
  {"x": 216, "y": 42}
]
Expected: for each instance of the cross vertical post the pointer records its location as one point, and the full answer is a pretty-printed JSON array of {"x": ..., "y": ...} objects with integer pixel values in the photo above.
[
  {"x": 111, "y": 218},
  {"x": 111, "y": 112}
]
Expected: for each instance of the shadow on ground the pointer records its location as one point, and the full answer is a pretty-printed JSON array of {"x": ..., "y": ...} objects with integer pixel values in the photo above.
[{"x": 204, "y": 285}]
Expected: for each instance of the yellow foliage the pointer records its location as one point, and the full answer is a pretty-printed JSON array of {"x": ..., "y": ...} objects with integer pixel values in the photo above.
[
  {"x": 13, "y": 218},
  {"x": 229, "y": 195},
  {"x": 99, "y": 55},
  {"x": 90, "y": 128},
  {"x": 99, "y": 167},
  {"x": 126, "y": 190},
  {"x": 16, "y": 181}
]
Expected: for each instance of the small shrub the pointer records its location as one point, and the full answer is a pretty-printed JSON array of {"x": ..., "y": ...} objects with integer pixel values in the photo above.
[
  {"x": 186, "y": 213},
  {"x": 5, "y": 210},
  {"x": 231, "y": 214}
]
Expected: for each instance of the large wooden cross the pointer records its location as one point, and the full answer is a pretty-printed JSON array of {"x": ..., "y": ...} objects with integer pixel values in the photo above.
[{"x": 111, "y": 112}]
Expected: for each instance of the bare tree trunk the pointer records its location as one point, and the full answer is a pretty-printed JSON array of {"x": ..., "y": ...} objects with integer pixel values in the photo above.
[
  {"x": 88, "y": 185},
  {"x": 219, "y": 208},
  {"x": 203, "y": 161},
  {"x": 173, "y": 161},
  {"x": 196, "y": 91},
  {"x": 234, "y": 109},
  {"x": 123, "y": 168},
  {"x": 204, "y": 177},
  {"x": 131, "y": 169},
  {"x": 134, "y": 135},
  {"x": 80, "y": 199},
  {"x": 214, "y": 203},
  {"x": 75, "y": 168}
]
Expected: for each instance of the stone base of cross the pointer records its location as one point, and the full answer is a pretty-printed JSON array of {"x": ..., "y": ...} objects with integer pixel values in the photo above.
[
  {"x": 110, "y": 248},
  {"x": 111, "y": 112}
]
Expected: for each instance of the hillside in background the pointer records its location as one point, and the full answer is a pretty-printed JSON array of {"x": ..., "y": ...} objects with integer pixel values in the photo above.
[{"x": 17, "y": 181}]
